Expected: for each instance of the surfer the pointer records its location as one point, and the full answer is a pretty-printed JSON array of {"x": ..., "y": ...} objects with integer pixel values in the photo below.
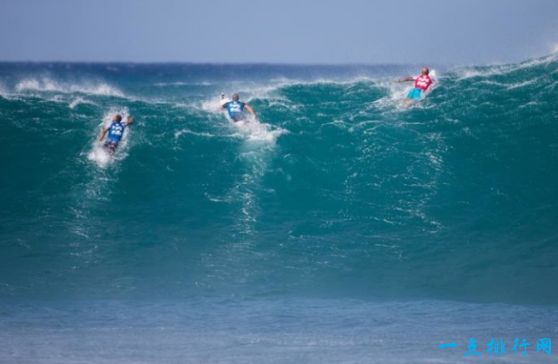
[
  {"x": 114, "y": 132},
  {"x": 422, "y": 84},
  {"x": 236, "y": 109}
]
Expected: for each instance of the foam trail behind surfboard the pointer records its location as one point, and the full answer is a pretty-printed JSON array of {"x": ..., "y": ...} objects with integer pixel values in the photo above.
[{"x": 255, "y": 130}]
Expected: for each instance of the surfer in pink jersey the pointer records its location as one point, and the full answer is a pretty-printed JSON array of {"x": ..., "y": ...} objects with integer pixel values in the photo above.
[{"x": 421, "y": 86}]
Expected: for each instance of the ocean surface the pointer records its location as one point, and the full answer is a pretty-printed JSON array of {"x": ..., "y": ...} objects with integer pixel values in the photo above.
[{"x": 339, "y": 226}]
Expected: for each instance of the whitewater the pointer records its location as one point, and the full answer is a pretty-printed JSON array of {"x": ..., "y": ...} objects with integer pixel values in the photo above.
[{"x": 338, "y": 226}]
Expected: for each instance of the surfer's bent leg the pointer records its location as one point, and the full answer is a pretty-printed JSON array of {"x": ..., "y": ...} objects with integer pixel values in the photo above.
[{"x": 110, "y": 147}]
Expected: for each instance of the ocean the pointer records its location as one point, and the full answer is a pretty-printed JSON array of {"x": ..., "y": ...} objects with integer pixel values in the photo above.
[{"x": 339, "y": 227}]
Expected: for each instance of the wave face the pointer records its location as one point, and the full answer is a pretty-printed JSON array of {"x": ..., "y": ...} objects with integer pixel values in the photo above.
[{"x": 337, "y": 190}]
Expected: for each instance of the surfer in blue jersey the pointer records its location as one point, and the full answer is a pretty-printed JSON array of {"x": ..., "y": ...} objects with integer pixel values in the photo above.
[
  {"x": 236, "y": 109},
  {"x": 114, "y": 132}
]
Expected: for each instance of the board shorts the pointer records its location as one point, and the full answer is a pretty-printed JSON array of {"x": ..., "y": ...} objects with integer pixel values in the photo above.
[
  {"x": 415, "y": 94},
  {"x": 237, "y": 117},
  {"x": 110, "y": 146}
]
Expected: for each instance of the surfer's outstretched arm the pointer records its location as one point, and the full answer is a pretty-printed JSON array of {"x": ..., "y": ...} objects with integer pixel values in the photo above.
[
  {"x": 406, "y": 79},
  {"x": 250, "y": 110},
  {"x": 102, "y": 134}
]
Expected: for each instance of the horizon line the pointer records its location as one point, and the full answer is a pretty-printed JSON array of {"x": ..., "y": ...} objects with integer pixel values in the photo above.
[{"x": 230, "y": 63}]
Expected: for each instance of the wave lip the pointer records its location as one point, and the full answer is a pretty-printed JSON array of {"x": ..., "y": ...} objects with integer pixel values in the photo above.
[{"x": 48, "y": 85}]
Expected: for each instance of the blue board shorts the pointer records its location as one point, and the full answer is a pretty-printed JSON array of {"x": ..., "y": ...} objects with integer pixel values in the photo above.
[
  {"x": 415, "y": 94},
  {"x": 237, "y": 117},
  {"x": 110, "y": 146}
]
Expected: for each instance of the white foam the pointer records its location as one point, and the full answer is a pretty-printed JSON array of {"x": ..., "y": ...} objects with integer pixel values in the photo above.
[
  {"x": 521, "y": 84},
  {"x": 79, "y": 100},
  {"x": 254, "y": 130},
  {"x": 501, "y": 69},
  {"x": 191, "y": 132},
  {"x": 45, "y": 84},
  {"x": 182, "y": 83},
  {"x": 215, "y": 104},
  {"x": 529, "y": 104},
  {"x": 99, "y": 155},
  {"x": 485, "y": 72}
]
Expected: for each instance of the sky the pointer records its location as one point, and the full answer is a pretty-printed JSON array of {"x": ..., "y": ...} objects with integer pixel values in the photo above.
[{"x": 288, "y": 31}]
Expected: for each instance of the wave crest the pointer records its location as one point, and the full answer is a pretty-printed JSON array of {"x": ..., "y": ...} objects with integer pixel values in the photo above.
[{"x": 45, "y": 84}]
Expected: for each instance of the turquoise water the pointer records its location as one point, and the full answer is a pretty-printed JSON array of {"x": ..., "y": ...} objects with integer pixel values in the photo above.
[{"x": 337, "y": 197}]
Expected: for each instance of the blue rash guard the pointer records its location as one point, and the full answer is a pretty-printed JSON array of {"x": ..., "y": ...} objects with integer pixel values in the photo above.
[
  {"x": 115, "y": 132},
  {"x": 235, "y": 109}
]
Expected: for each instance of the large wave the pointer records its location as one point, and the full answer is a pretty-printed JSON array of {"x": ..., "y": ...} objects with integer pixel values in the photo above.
[{"x": 336, "y": 190}]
